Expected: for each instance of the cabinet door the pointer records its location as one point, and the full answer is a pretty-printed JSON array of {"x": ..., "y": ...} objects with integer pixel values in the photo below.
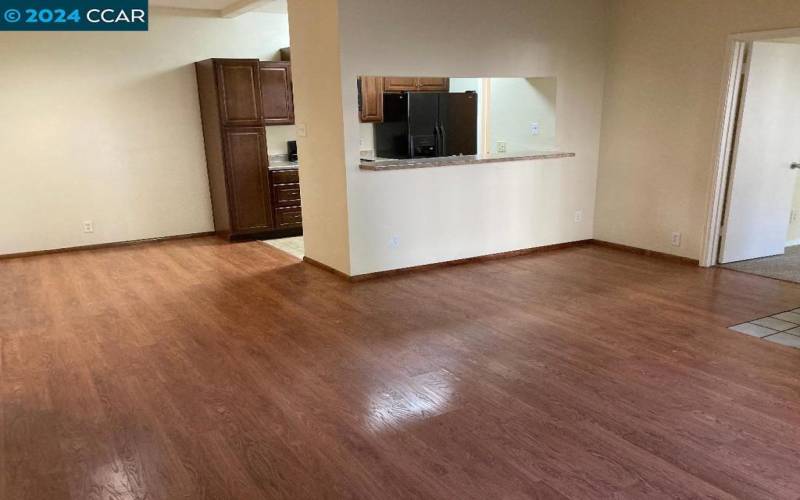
[
  {"x": 399, "y": 83},
  {"x": 248, "y": 186},
  {"x": 239, "y": 92},
  {"x": 276, "y": 92},
  {"x": 371, "y": 99},
  {"x": 433, "y": 84}
]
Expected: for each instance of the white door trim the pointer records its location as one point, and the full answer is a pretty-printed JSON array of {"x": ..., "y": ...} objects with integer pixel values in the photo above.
[{"x": 732, "y": 87}]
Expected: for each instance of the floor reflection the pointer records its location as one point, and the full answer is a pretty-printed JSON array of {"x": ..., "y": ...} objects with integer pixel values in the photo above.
[{"x": 397, "y": 406}]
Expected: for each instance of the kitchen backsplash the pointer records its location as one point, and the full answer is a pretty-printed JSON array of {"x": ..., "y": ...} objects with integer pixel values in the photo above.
[{"x": 277, "y": 136}]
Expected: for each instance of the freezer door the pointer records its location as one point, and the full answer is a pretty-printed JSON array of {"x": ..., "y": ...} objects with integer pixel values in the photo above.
[{"x": 423, "y": 121}]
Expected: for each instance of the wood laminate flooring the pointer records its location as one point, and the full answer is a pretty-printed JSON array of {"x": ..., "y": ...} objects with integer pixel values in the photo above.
[{"x": 199, "y": 369}]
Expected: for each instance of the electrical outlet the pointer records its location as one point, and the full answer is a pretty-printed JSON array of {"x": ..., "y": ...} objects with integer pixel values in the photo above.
[
  {"x": 578, "y": 215},
  {"x": 793, "y": 216},
  {"x": 501, "y": 146},
  {"x": 676, "y": 239},
  {"x": 394, "y": 242},
  {"x": 535, "y": 128},
  {"x": 301, "y": 130},
  {"x": 88, "y": 226}
]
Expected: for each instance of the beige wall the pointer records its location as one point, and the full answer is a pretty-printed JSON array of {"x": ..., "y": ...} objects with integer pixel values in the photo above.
[
  {"x": 406, "y": 218},
  {"x": 314, "y": 28},
  {"x": 106, "y": 127},
  {"x": 661, "y": 112}
]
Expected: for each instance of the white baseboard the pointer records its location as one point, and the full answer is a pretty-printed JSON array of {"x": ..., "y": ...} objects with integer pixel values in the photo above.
[{"x": 793, "y": 243}]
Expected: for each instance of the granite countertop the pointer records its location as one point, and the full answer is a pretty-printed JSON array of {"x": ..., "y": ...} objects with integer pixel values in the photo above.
[
  {"x": 446, "y": 161},
  {"x": 281, "y": 163}
]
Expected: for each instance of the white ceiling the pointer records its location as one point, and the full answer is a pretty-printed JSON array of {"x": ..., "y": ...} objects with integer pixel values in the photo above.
[{"x": 278, "y": 6}]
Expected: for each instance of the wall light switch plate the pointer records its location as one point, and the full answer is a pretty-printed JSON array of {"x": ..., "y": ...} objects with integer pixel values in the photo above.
[
  {"x": 676, "y": 239},
  {"x": 394, "y": 242},
  {"x": 301, "y": 130},
  {"x": 535, "y": 128},
  {"x": 578, "y": 216},
  {"x": 501, "y": 146}
]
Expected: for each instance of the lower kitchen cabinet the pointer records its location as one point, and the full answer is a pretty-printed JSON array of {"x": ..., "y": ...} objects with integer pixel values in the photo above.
[
  {"x": 286, "y": 198},
  {"x": 289, "y": 217}
]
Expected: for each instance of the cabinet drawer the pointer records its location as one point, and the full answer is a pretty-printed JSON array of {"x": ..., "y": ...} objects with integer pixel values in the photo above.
[
  {"x": 284, "y": 176},
  {"x": 287, "y": 195},
  {"x": 288, "y": 217}
]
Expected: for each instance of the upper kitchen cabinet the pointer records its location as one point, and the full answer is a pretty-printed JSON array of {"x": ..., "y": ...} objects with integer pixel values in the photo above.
[
  {"x": 239, "y": 85},
  {"x": 370, "y": 104},
  {"x": 276, "y": 93},
  {"x": 400, "y": 83},
  {"x": 433, "y": 84},
  {"x": 415, "y": 84}
]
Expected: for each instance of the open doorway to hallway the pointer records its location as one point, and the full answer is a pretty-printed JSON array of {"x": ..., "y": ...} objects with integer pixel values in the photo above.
[{"x": 759, "y": 231}]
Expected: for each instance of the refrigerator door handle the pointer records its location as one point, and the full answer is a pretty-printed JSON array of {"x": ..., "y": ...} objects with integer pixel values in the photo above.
[
  {"x": 443, "y": 137},
  {"x": 437, "y": 134}
]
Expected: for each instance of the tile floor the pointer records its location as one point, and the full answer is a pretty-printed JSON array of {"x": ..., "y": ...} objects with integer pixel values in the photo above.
[
  {"x": 783, "y": 328},
  {"x": 293, "y": 246}
]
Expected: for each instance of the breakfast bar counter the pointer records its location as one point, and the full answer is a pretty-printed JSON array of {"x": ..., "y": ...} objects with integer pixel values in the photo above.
[{"x": 446, "y": 161}]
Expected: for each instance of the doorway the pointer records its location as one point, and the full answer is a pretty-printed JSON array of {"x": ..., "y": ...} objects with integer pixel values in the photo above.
[{"x": 758, "y": 200}]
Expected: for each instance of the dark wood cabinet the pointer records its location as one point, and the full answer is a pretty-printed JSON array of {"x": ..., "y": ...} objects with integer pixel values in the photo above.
[
  {"x": 286, "y": 198},
  {"x": 236, "y": 152},
  {"x": 239, "y": 92},
  {"x": 248, "y": 178},
  {"x": 276, "y": 91},
  {"x": 371, "y": 99}
]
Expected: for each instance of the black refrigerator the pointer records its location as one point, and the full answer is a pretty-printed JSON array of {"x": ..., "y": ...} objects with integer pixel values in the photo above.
[{"x": 427, "y": 124}]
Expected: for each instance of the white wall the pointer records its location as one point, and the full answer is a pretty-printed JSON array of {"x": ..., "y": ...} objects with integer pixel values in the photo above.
[
  {"x": 449, "y": 213},
  {"x": 515, "y": 105},
  {"x": 661, "y": 113},
  {"x": 106, "y": 127}
]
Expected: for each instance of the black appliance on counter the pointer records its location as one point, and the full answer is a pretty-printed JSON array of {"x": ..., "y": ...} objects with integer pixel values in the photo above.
[
  {"x": 291, "y": 147},
  {"x": 428, "y": 124}
]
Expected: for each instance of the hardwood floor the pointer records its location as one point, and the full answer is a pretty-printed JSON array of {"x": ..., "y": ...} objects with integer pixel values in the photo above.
[{"x": 199, "y": 369}]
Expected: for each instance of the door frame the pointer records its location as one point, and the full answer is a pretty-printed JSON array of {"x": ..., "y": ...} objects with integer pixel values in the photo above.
[{"x": 726, "y": 133}]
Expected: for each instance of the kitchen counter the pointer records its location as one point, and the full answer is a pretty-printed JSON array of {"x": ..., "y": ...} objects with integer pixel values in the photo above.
[
  {"x": 281, "y": 163},
  {"x": 446, "y": 161}
]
